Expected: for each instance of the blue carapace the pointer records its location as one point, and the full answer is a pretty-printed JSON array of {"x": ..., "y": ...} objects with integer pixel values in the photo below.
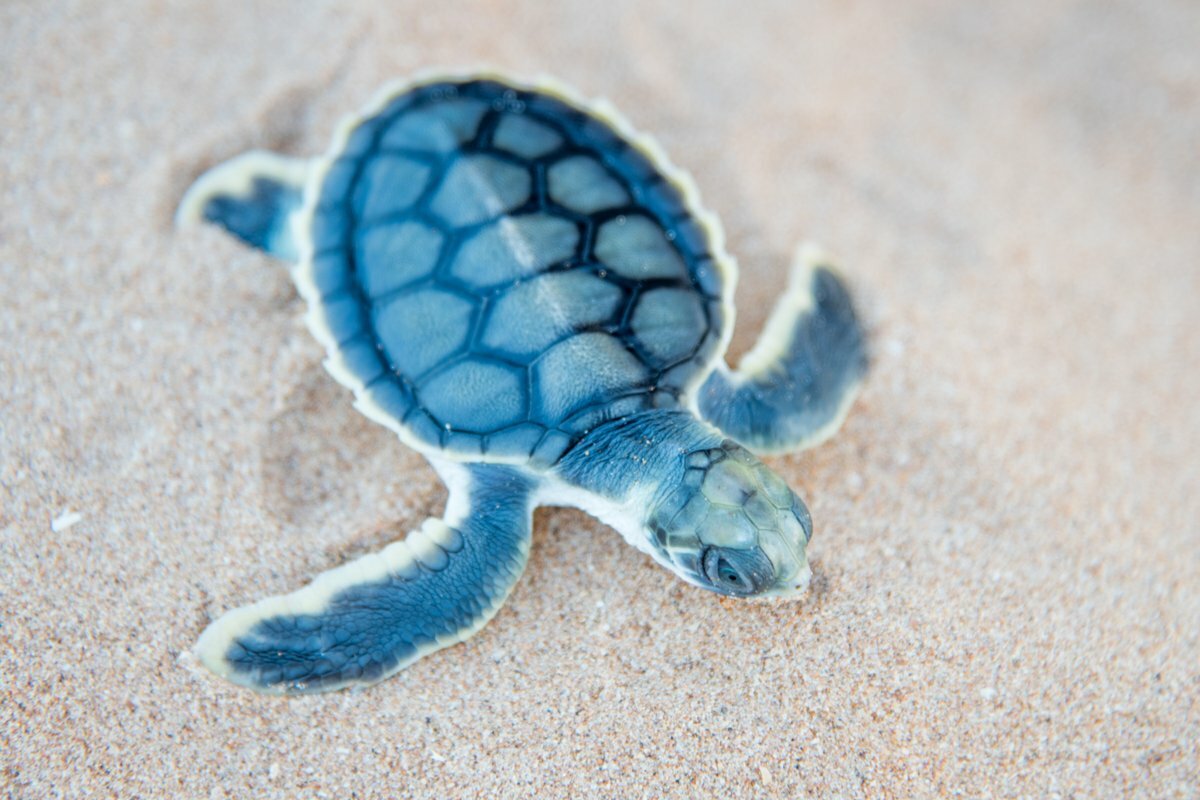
[{"x": 530, "y": 294}]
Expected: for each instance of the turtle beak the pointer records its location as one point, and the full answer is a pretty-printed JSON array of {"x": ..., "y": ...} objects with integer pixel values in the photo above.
[{"x": 791, "y": 587}]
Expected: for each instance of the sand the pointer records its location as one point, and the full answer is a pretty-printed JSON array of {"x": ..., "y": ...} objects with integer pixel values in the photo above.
[{"x": 1007, "y": 547}]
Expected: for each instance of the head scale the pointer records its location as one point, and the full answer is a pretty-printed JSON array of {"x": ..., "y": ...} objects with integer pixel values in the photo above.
[{"x": 733, "y": 526}]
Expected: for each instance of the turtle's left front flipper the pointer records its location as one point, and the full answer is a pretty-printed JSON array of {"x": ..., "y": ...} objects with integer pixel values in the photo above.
[
  {"x": 363, "y": 621},
  {"x": 793, "y": 389},
  {"x": 252, "y": 197}
]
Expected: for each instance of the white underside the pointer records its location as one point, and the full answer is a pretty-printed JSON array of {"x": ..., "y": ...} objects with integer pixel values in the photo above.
[{"x": 627, "y": 516}]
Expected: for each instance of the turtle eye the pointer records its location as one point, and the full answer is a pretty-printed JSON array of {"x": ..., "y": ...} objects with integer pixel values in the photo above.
[
  {"x": 727, "y": 573},
  {"x": 724, "y": 572}
]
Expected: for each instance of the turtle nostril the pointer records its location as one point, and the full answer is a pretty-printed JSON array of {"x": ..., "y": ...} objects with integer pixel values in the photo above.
[{"x": 804, "y": 579}]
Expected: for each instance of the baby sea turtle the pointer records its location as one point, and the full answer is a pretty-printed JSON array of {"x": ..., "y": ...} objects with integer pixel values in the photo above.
[{"x": 531, "y": 295}]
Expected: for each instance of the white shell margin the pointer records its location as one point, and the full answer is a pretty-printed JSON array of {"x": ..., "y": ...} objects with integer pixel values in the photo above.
[{"x": 603, "y": 110}]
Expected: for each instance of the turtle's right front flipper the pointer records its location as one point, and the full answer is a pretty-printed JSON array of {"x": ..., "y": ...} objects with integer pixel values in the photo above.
[
  {"x": 363, "y": 621},
  {"x": 252, "y": 197}
]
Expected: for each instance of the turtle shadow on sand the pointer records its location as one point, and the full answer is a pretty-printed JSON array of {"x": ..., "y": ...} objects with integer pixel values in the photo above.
[{"x": 325, "y": 465}]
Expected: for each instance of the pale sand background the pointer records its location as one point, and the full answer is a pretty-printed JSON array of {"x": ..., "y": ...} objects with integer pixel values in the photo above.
[{"x": 1008, "y": 544}]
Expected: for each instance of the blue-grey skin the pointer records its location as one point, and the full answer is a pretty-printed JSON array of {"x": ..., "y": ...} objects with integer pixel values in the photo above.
[
  {"x": 785, "y": 406},
  {"x": 514, "y": 286},
  {"x": 260, "y": 217},
  {"x": 369, "y": 630}
]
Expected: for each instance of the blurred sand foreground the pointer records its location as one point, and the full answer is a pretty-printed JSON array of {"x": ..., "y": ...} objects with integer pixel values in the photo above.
[{"x": 1008, "y": 528}]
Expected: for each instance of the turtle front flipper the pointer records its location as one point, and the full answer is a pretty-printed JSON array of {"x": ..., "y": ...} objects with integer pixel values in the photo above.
[
  {"x": 363, "y": 621},
  {"x": 252, "y": 197},
  {"x": 793, "y": 389}
]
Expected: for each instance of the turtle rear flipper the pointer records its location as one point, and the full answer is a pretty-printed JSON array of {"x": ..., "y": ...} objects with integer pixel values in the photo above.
[
  {"x": 793, "y": 389},
  {"x": 252, "y": 197},
  {"x": 361, "y": 622}
]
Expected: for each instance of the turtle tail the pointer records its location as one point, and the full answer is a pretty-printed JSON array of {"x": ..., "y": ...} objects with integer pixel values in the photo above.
[{"x": 252, "y": 197}]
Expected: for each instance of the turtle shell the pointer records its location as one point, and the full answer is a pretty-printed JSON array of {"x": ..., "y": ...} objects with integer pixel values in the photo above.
[{"x": 497, "y": 269}]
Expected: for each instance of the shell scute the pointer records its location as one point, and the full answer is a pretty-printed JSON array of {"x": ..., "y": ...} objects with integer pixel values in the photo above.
[
  {"x": 421, "y": 329},
  {"x": 581, "y": 183},
  {"x": 389, "y": 184},
  {"x": 609, "y": 367},
  {"x": 522, "y": 136},
  {"x": 569, "y": 301},
  {"x": 444, "y": 128},
  {"x": 638, "y": 248},
  {"x": 478, "y": 188},
  {"x": 391, "y": 255},
  {"x": 514, "y": 248}
]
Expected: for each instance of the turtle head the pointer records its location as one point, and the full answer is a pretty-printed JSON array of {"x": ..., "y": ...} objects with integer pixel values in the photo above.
[{"x": 733, "y": 526}]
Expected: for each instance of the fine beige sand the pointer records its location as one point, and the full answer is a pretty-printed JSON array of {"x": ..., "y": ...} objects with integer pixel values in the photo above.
[{"x": 1008, "y": 527}]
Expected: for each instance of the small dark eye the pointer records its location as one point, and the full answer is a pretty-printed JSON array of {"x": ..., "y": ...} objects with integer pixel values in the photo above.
[
  {"x": 720, "y": 569},
  {"x": 736, "y": 571}
]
